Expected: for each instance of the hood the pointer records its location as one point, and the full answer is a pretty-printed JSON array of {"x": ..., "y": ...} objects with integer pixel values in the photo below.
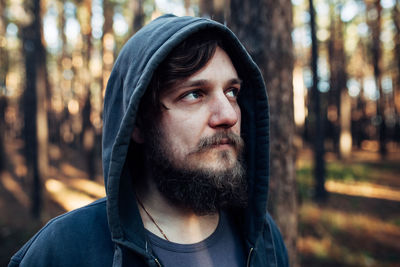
[{"x": 129, "y": 79}]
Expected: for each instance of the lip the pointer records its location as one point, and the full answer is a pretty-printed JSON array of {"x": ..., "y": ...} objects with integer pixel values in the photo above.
[
  {"x": 223, "y": 144},
  {"x": 224, "y": 141}
]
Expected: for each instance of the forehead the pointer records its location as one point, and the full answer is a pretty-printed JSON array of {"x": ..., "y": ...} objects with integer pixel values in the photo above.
[
  {"x": 218, "y": 70},
  {"x": 220, "y": 63}
]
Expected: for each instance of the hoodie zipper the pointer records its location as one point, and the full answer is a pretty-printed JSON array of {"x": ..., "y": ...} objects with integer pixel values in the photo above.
[
  {"x": 158, "y": 263},
  {"x": 249, "y": 257}
]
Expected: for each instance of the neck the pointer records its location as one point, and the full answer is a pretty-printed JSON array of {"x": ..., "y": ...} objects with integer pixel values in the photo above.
[{"x": 179, "y": 225}]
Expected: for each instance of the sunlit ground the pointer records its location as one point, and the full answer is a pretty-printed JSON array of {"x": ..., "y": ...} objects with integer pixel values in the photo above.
[
  {"x": 350, "y": 239},
  {"x": 15, "y": 189},
  {"x": 363, "y": 189},
  {"x": 74, "y": 194},
  {"x": 359, "y": 224}
]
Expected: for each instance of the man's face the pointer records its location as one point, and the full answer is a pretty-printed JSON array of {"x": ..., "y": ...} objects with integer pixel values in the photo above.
[
  {"x": 194, "y": 148},
  {"x": 202, "y": 112}
]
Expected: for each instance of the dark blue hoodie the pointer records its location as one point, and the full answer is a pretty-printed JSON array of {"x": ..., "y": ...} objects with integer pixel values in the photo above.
[{"x": 110, "y": 232}]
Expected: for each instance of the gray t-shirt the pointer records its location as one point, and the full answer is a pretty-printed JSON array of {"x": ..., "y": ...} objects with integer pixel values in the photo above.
[{"x": 223, "y": 248}]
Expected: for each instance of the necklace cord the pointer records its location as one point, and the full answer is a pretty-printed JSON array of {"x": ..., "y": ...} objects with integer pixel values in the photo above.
[{"x": 151, "y": 218}]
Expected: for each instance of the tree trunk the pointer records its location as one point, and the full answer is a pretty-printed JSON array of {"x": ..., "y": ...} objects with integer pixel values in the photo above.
[
  {"x": 206, "y": 8},
  {"x": 338, "y": 84},
  {"x": 87, "y": 134},
  {"x": 3, "y": 158},
  {"x": 108, "y": 51},
  {"x": 138, "y": 15},
  {"x": 264, "y": 27},
  {"x": 3, "y": 88},
  {"x": 55, "y": 118},
  {"x": 3, "y": 50},
  {"x": 375, "y": 27},
  {"x": 186, "y": 3},
  {"x": 396, "y": 91},
  {"x": 220, "y": 7},
  {"x": 108, "y": 42},
  {"x": 345, "y": 125},
  {"x": 88, "y": 138},
  {"x": 319, "y": 150},
  {"x": 214, "y": 9},
  {"x": 35, "y": 114}
]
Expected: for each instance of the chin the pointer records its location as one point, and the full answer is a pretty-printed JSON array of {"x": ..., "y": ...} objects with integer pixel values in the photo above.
[
  {"x": 211, "y": 160},
  {"x": 213, "y": 166}
]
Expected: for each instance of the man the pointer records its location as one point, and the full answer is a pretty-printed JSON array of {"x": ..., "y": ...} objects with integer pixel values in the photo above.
[{"x": 185, "y": 159}]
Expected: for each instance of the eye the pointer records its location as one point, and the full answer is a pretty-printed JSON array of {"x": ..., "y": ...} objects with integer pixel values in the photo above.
[
  {"x": 192, "y": 95},
  {"x": 232, "y": 92}
]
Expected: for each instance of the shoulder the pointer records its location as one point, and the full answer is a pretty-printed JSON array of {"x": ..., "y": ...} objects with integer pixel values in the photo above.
[
  {"x": 277, "y": 241},
  {"x": 68, "y": 239}
]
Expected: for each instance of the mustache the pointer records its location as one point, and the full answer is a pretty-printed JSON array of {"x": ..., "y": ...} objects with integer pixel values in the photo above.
[{"x": 220, "y": 138}]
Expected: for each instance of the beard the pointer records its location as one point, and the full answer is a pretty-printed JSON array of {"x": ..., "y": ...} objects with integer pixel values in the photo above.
[{"x": 194, "y": 186}]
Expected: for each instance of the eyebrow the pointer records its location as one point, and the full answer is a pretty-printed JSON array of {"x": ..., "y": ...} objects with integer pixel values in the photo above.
[{"x": 204, "y": 82}]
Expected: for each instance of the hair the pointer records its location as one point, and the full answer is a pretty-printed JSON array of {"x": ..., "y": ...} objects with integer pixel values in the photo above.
[{"x": 184, "y": 60}]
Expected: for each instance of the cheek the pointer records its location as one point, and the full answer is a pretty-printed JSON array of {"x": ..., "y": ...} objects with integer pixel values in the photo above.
[
  {"x": 239, "y": 121},
  {"x": 181, "y": 130}
]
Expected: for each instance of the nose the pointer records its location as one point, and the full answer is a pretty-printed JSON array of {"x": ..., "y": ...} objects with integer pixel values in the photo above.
[{"x": 224, "y": 113}]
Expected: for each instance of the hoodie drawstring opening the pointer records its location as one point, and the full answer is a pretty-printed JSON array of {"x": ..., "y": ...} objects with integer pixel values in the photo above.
[{"x": 249, "y": 257}]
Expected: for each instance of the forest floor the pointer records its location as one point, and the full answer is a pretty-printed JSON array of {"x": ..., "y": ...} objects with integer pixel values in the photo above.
[{"x": 358, "y": 225}]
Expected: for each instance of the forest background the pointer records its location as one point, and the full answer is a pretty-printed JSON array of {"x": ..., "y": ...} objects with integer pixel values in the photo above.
[{"x": 332, "y": 70}]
